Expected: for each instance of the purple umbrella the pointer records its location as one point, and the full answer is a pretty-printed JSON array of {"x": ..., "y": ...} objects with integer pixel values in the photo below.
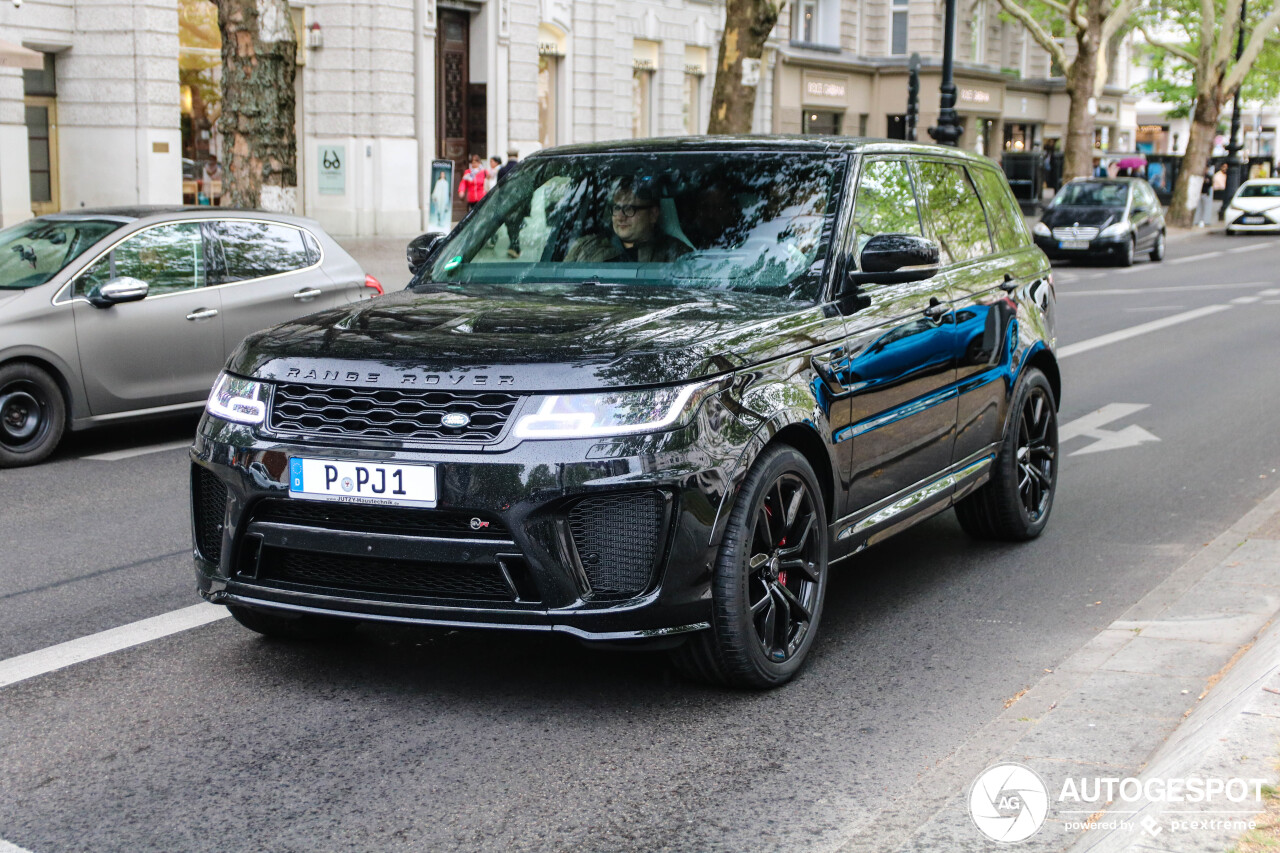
[{"x": 1132, "y": 163}]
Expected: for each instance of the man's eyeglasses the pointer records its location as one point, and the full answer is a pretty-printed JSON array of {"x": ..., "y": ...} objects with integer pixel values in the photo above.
[{"x": 629, "y": 210}]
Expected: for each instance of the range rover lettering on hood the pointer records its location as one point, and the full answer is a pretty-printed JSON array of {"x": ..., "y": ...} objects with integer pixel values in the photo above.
[{"x": 406, "y": 379}]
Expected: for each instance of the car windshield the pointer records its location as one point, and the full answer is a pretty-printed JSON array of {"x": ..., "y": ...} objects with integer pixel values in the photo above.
[
  {"x": 1089, "y": 194},
  {"x": 34, "y": 251},
  {"x": 752, "y": 221},
  {"x": 1260, "y": 191}
]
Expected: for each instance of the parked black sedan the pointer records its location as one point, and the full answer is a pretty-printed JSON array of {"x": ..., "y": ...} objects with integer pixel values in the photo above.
[{"x": 1115, "y": 218}]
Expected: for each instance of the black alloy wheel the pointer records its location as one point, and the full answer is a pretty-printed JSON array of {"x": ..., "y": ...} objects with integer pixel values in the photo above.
[
  {"x": 32, "y": 414},
  {"x": 770, "y": 579},
  {"x": 1015, "y": 502},
  {"x": 1037, "y": 452}
]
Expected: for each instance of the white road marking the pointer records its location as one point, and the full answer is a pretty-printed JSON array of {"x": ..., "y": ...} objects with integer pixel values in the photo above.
[
  {"x": 6, "y": 847},
  {"x": 117, "y": 455},
  {"x": 1156, "y": 308},
  {"x": 1190, "y": 258},
  {"x": 1239, "y": 249},
  {"x": 1269, "y": 292},
  {"x": 1141, "y": 329},
  {"x": 72, "y": 652},
  {"x": 1245, "y": 300},
  {"x": 1130, "y": 291},
  {"x": 1090, "y": 425}
]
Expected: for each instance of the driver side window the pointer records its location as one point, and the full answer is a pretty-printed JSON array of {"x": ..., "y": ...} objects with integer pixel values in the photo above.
[
  {"x": 169, "y": 258},
  {"x": 885, "y": 202}
]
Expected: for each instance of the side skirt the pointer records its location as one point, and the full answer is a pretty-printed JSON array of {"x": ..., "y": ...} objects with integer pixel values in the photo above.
[{"x": 869, "y": 525}]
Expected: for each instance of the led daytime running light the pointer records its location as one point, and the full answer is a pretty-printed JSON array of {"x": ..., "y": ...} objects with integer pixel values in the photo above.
[{"x": 237, "y": 400}]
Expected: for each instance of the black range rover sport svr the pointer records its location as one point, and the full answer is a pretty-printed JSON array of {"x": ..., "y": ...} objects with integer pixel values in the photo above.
[{"x": 645, "y": 391}]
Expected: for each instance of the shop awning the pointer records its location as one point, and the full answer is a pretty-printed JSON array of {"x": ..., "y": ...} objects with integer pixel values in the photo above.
[{"x": 16, "y": 56}]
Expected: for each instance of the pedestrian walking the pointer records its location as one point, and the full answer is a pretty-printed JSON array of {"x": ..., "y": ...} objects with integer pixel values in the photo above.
[
  {"x": 1204, "y": 210},
  {"x": 471, "y": 187}
]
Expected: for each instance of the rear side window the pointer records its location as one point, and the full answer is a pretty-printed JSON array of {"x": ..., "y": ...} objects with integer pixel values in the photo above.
[
  {"x": 257, "y": 249},
  {"x": 886, "y": 201},
  {"x": 1002, "y": 211},
  {"x": 952, "y": 212}
]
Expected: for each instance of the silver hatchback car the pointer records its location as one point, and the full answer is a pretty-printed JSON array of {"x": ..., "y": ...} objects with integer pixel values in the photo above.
[{"x": 121, "y": 313}]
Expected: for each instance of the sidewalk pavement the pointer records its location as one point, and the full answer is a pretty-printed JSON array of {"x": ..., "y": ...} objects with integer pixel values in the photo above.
[
  {"x": 1185, "y": 684},
  {"x": 381, "y": 257}
]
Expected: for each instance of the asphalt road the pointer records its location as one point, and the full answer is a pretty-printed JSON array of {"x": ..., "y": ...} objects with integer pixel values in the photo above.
[{"x": 216, "y": 739}]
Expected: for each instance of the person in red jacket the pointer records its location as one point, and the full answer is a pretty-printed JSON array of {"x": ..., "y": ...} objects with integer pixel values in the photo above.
[{"x": 471, "y": 187}]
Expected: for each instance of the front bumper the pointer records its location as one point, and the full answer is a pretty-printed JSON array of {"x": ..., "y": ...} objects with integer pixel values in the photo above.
[
  {"x": 1098, "y": 247},
  {"x": 602, "y": 539},
  {"x": 1241, "y": 221}
]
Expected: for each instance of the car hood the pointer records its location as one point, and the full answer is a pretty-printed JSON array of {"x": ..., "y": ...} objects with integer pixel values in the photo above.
[
  {"x": 542, "y": 337},
  {"x": 1092, "y": 217},
  {"x": 1254, "y": 204}
]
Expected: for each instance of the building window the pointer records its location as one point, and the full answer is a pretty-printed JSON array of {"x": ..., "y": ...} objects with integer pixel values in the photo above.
[
  {"x": 695, "y": 71},
  {"x": 898, "y": 43},
  {"x": 548, "y": 72},
  {"x": 641, "y": 100},
  {"x": 978, "y": 32},
  {"x": 806, "y": 24},
  {"x": 644, "y": 64},
  {"x": 821, "y": 122},
  {"x": 862, "y": 124}
]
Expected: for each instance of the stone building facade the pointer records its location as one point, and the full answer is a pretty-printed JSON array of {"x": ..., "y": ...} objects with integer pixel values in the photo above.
[{"x": 124, "y": 111}]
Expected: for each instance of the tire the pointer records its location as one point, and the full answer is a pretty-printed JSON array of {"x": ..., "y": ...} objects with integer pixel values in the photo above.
[
  {"x": 1014, "y": 505},
  {"x": 33, "y": 414},
  {"x": 1230, "y": 233},
  {"x": 288, "y": 627},
  {"x": 1157, "y": 251},
  {"x": 767, "y": 596},
  {"x": 1126, "y": 258}
]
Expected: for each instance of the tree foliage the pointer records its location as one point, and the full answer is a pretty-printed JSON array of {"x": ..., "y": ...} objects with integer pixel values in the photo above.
[{"x": 1095, "y": 26}]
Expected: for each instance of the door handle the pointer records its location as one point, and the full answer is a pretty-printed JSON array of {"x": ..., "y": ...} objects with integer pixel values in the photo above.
[
  {"x": 308, "y": 293},
  {"x": 936, "y": 310},
  {"x": 203, "y": 314},
  {"x": 1009, "y": 285}
]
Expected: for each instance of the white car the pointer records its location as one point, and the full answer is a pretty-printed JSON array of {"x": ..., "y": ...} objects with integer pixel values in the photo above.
[{"x": 1255, "y": 207}]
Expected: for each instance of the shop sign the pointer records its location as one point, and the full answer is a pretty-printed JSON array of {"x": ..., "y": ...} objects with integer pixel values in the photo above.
[
  {"x": 333, "y": 169},
  {"x": 975, "y": 96},
  {"x": 824, "y": 88}
]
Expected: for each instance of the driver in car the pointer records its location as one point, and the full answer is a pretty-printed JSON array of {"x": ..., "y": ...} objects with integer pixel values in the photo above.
[{"x": 636, "y": 236}]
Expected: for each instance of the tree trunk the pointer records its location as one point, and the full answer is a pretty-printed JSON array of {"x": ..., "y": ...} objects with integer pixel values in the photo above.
[
  {"x": 257, "y": 122},
  {"x": 1204, "y": 126},
  {"x": 1078, "y": 153},
  {"x": 747, "y": 25}
]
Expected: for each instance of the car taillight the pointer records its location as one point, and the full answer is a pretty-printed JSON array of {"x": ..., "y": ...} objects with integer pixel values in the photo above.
[{"x": 373, "y": 284}]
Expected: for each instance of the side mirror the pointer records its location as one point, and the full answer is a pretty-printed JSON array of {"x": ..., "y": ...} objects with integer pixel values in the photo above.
[
  {"x": 895, "y": 258},
  {"x": 117, "y": 290},
  {"x": 420, "y": 248}
]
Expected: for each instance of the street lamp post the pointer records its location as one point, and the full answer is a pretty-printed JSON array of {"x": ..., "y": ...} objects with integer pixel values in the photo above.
[
  {"x": 1233, "y": 147},
  {"x": 913, "y": 95},
  {"x": 948, "y": 130}
]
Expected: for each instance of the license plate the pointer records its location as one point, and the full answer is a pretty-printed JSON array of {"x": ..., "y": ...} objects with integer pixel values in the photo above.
[
  {"x": 362, "y": 482},
  {"x": 1253, "y": 220},
  {"x": 1074, "y": 244}
]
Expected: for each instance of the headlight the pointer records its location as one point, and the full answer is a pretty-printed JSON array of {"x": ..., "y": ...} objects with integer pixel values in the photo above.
[
  {"x": 613, "y": 412},
  {"x": 238, "y": 400},
  {"x": 1115, "y": 229},
  {"x": 1041, "y": 229}
]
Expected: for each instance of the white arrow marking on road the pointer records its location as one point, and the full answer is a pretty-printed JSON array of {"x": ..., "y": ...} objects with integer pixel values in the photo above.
[{"x": 1091, "y": 425}]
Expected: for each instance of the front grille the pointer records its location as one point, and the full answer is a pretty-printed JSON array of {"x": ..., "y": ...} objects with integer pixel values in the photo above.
[
  {"x": 412, "y": 415},
  {"x": 402, "y": 521},
  {"x": 618, "y": 538},
  {"x": 1078, "y": 233},
  {"x": 209, "y": 511},
  {"x": 336, "y": 572}
]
